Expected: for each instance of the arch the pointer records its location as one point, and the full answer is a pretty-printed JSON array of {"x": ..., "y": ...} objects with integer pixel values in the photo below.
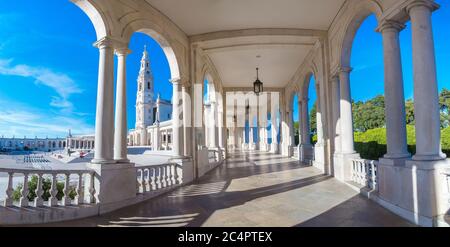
[
  {"x": 361, "y": 10},
  {"x": 168, "y": 45},
  {"x": 102, "y": 28}
]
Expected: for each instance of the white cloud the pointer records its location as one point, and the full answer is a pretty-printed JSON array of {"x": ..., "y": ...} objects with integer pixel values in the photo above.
[
  {"x": 20, "y": 120},
  {"x": 63, "y": 85}
]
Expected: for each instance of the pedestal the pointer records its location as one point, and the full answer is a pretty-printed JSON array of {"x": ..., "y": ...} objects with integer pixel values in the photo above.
[
  {"x": 274, "y": 148},
  {"x": 114, "y": 183},
  {"x": 185, "y": 168},
  {"x": 343, "y": 166},
  {"x": 305, "y": 152},
  {"x": 416, "y": 190},
  {"x": 319, "y": 157}
]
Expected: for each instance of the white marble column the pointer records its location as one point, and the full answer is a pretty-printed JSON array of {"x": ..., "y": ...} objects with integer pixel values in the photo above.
[
  {"x": 290, "y": 115},
  {"x": 426, "y": 96},
  {"x": 187, "y": 117},
  {"x": 120, "y": 134},
  {"x": 394, "y": 94},
  {"x": 177, "y": 118},
  {"x": 304, "y": 122},
  {"x": 274, "y": 130},
  {"x": 346, "y": 123},
  {"x": 213, "y": 124},
  {"x": 336, "y": 113},
  {"x": 104, "y": 118},
  {"x": 319, "y": 123}
]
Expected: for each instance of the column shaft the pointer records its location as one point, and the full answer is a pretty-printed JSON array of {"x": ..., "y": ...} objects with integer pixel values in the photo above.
[
  {"x": 346, "y": 122},
  {"x": 104, "y": 118},
  {"x": 120, "y": 134},
  {"x": 394, "y": 93},
  {"x": 336, "y": 113},
  {"x": 177, "y": 119},
  {"x": 426, "y": 96}
]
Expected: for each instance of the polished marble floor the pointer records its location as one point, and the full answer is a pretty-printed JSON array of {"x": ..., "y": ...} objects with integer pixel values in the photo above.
[{"x": 254, "y": 189}]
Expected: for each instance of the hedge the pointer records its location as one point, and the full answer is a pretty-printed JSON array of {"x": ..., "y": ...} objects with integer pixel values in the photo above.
[{"x": 372, "y": 143}]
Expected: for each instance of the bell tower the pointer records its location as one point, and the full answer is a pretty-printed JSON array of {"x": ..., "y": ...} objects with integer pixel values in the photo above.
[{"x": 144, "y": 99}]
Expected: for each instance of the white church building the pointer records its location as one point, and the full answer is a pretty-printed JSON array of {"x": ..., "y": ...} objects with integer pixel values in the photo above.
[{"x": 153, "y": 125}]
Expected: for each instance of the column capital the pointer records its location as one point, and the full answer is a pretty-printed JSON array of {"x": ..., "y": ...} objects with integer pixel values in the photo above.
[
  {"x": 109, "y": 42},
  {"x": 179, "y": 81},
  {"x": 390, "y": 25},
  {"x": 344, "y": 69},
  {"x": 105, "y": 42},
  {"x": 124, "y": 51},
  {"x": 431, "y": 5}
]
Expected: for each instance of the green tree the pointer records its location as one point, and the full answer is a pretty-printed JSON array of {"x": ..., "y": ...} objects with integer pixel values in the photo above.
[
  {"x": 444, "y": 104},
  {"x": 313, "y": 119},
  {"x": 409, "y": 108},
  {"x": 369, "y": 115}
]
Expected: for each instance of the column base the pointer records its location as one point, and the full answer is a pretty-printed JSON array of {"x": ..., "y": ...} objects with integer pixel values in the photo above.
[
  {"x": 397, "y": 156},
  {"x": 102, "y": 161},
  {"x": 429, "y": 157},
  {"x": 418, "y": 190},
  {"x": 125, "y": 160},
  {"x": 305, "y": 152},
  {"x": 274, "y": 148},
  {"x": 319, "y": 157}
]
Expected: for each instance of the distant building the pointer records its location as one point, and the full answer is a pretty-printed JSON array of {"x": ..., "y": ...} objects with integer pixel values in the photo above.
[
  {"x": 153, "y": 117},
  {"x": 81, "y": 142}
]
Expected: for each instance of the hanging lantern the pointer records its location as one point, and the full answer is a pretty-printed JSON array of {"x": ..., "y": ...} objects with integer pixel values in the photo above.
[{"x": 257, "y": 85}]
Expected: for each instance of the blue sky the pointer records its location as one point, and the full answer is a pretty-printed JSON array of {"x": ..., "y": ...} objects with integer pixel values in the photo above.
[{"x": 48, "y": 67}]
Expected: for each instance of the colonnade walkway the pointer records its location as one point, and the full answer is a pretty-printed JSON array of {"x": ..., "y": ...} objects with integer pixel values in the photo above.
[{"x": 254, "y": 189}]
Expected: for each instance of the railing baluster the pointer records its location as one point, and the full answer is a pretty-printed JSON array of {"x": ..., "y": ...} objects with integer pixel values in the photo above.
[
  {"x": 177, "y": 176},
  {"x": 143, "y": 182},
  {"x": 66, "y": 197},
  {"x": 24, "y": 202},
  {"x": 174, "y": 172},
  {"x": 152, "y": 179},
  {"x": 147, "y": 181},
  {"x": 92, "y": 188},
  {"x": 39, "y": 201},
  {"x": 53, "y": 201},
  {"x": 79, "y": 199},
  {"x": 9, "y": 191},
  {"x": 169, "y": 174},
  {"x": 159, "y": 182}
]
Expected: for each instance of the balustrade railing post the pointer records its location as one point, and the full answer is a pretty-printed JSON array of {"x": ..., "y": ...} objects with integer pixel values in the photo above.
[
  {"x": 53, "y": 201},
  {"x": 9, "y": 191},
  {"x": 92, "y": 188},
  {"x": 168, "y": 175},
  {"x": 158, "y": 179},
  {"x": 152, "y": 179},
  {"x": 39, "y": 201},
  {"x": 24, "y": 202},
  {"x": 80, "y": 191},
  {"x": 66, "y": 197}
]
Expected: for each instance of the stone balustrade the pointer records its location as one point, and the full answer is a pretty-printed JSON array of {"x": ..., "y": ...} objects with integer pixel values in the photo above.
[
  {"x": 54, "y": 176},
  {"x": 364, "y": 172},
  {"x": 158, "y": 177}
]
